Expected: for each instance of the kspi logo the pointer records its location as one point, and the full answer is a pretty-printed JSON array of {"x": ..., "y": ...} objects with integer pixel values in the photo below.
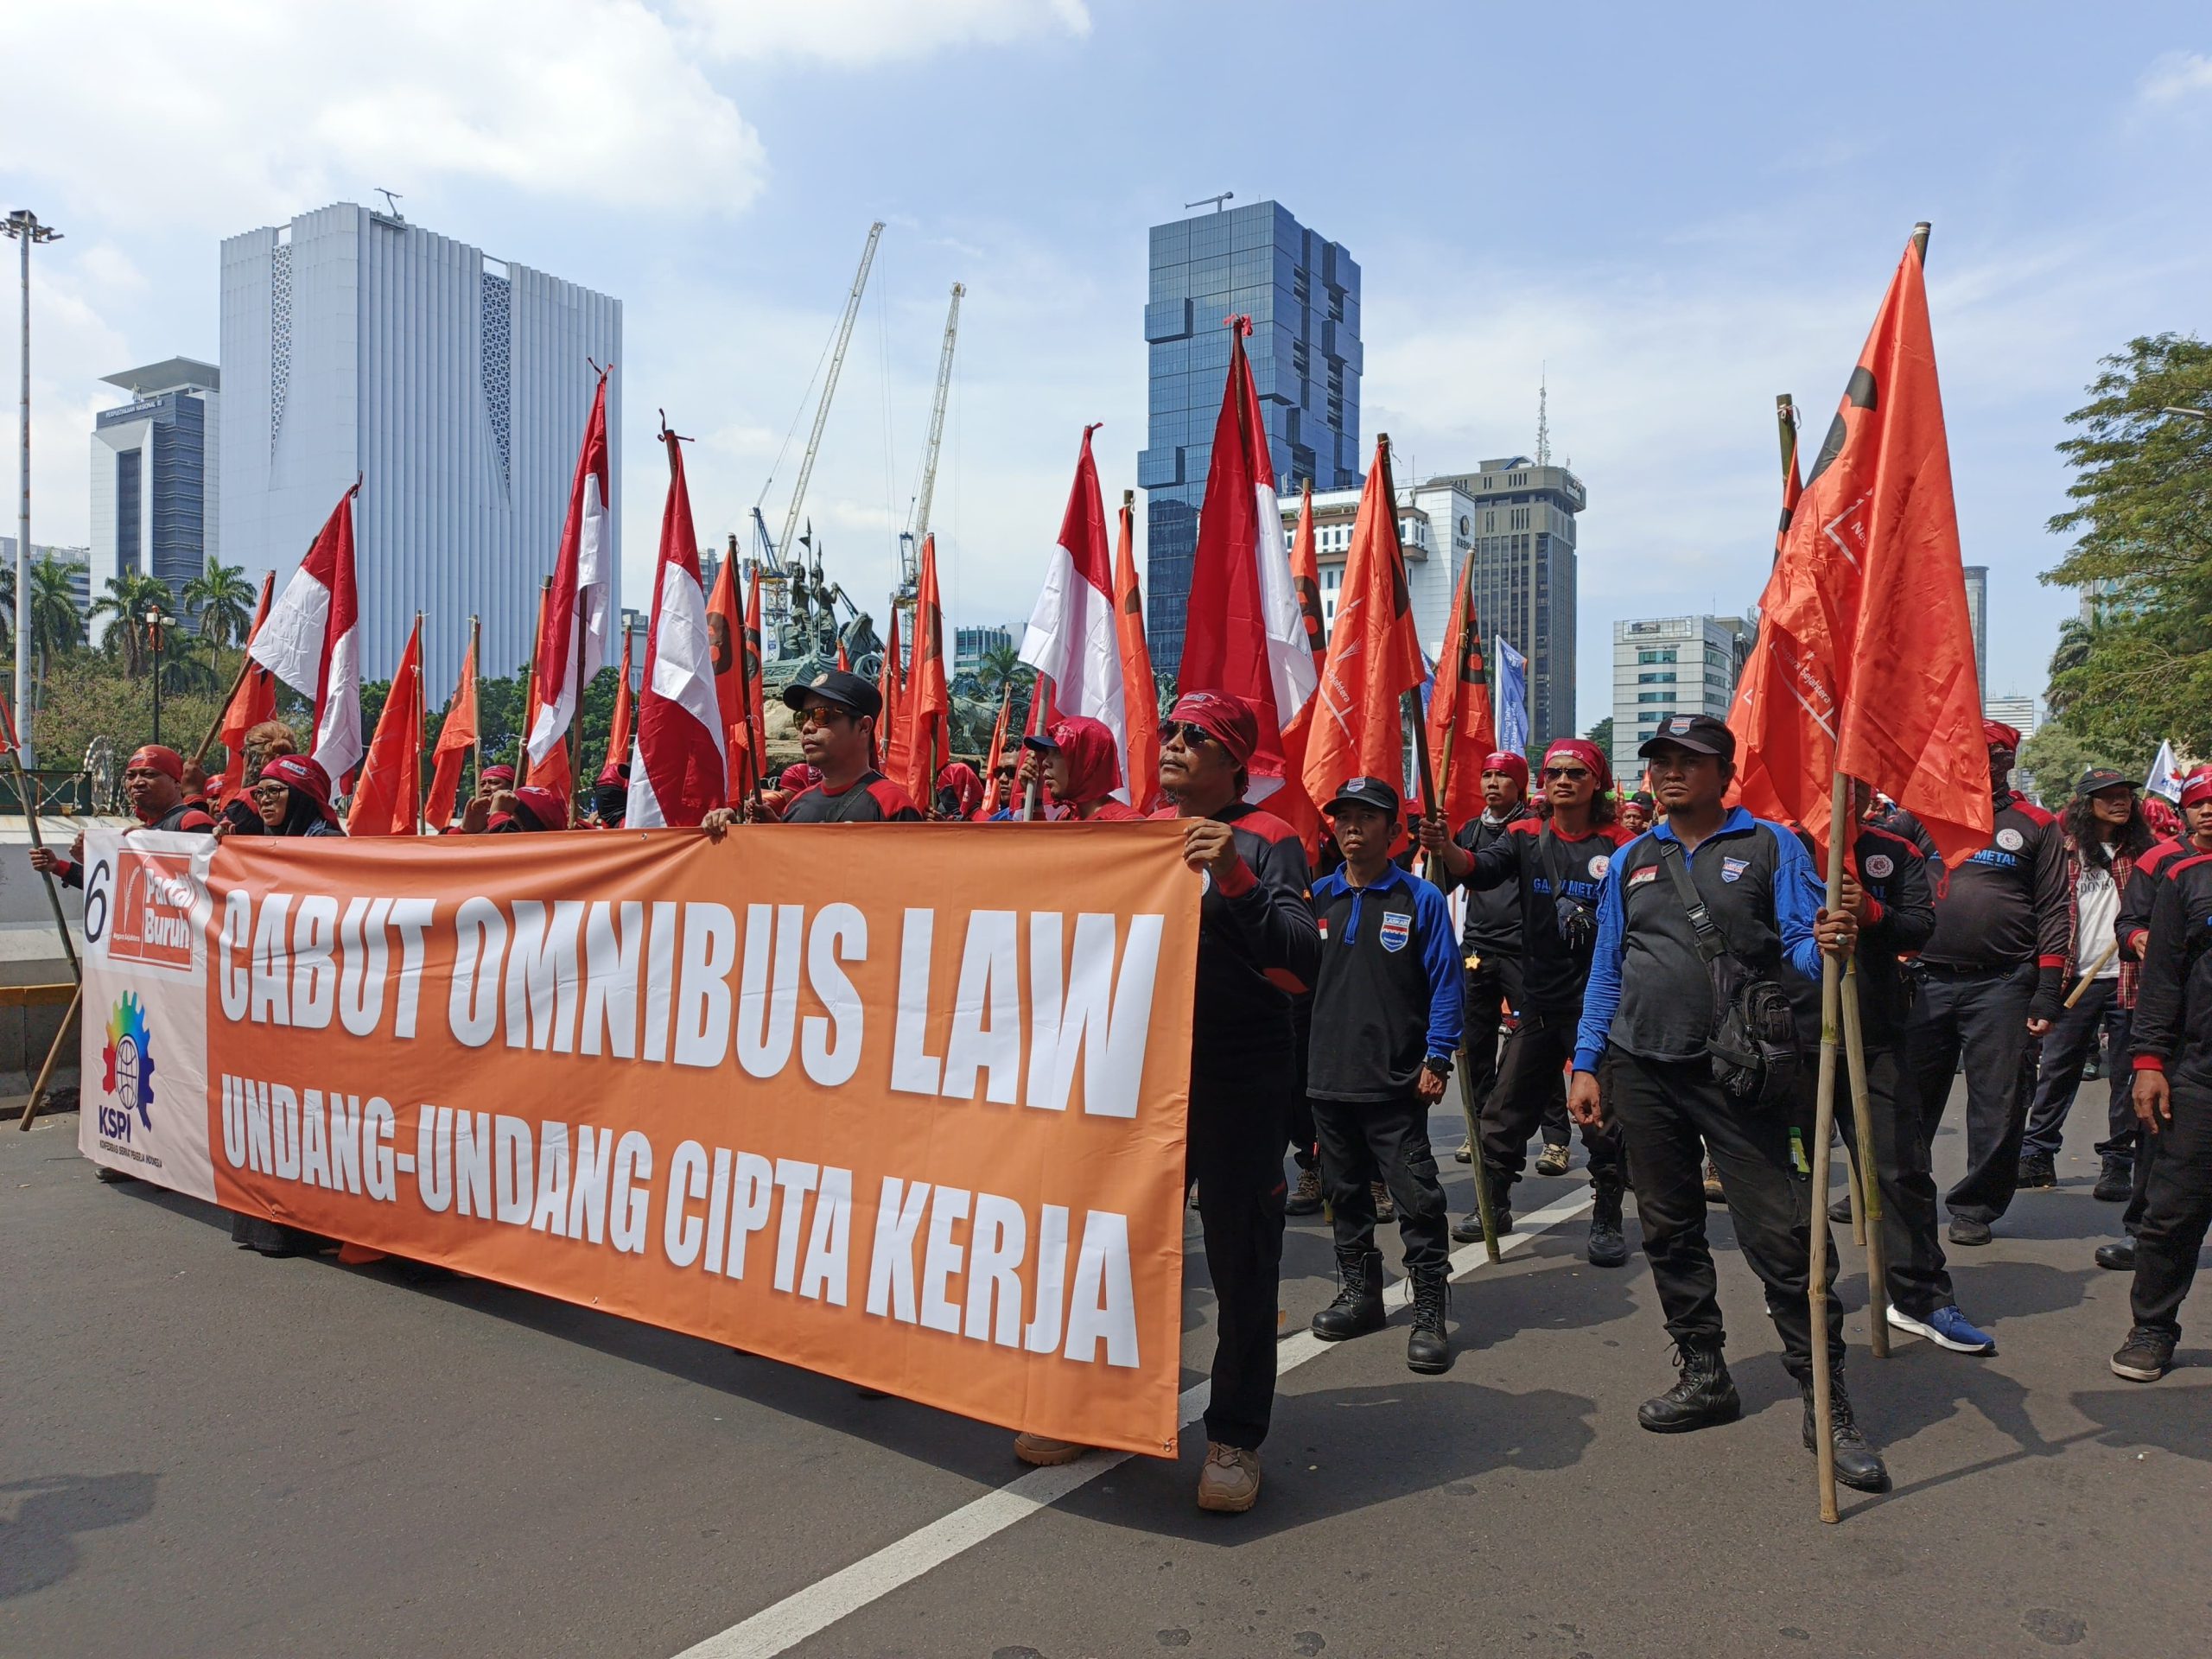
[
  {"x": 128, "y": 1060},
  {"x": 153, "y": 894}
]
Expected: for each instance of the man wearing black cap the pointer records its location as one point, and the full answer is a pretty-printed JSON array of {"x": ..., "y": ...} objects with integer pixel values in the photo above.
[
  {"x": 836, "y": 714},
  {"x": 1257, "y": 947},
  {"x": 1991, "y": 981},
  {"x": 1648, "y": 1017},
  {"x": 1557, "y": 863},
  {"x": 2106, "y": 832},
  {"x": 1386, "y": 1008}
]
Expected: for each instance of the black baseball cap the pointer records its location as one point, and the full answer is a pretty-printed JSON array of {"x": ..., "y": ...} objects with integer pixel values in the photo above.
[
  {"x": 1699, "y": 733},
  {"x": 2097, "y": 779},
  {"x": 1369, "y": 792},
  {"x": 1040, "y": 740},
  {"x": 837, "y": 688}
]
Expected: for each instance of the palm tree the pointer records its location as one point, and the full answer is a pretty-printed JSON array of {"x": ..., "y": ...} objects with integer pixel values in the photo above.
[
  {"x": 222, "y": 600},
  {"x": 1001, "y": 668},
  {"x": 57, "y": 629},
  {"x": 129, "y": 594},
  {"x": 2075, "y": 640}
]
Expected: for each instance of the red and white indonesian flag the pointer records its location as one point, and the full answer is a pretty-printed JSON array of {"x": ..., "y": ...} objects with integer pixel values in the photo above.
[
  {"x": 1071, "y": 636},
  {"x": 312, "y": 641},
  {"x": 1243, "y": 632},
  {"x": 572, "y": 634},
  {"x": 679, "y": 770}
]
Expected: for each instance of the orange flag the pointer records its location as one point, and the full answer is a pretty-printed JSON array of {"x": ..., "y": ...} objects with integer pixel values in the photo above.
[
  {"x": 928, "y": 705},
  {"x": 1140, "y": 691},
  {"x": 455, "y": 739},
  {"x": 1460, "y": 730},
  {"x": 552, "y": 773},
  {"x": 891, "y": 725},
  {"x": 253, "y": 701},
  {"x": 724, "y": 627},
  {"x": 1864, "y": 661},
  {"x": 1374, "y": 656},
  {"x": 753, "y": 762},
  {"x": 390, "y": 795},
  {"x": 991, "y": 802},
  {"x": 845, "y": 661},
  {"x": 1290, "y": 803},
  {"x": 617, "y": 727}
]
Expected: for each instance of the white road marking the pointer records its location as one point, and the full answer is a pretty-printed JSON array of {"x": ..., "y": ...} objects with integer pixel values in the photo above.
[{"x": 782, "y": 1626}]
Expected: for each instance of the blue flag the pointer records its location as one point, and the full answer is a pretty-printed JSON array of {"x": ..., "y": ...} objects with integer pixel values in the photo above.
[{"x": 1512, "y": 698}]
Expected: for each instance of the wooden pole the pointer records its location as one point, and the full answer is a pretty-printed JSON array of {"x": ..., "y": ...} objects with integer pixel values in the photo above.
[
  {"x": 1033, "y": 794},
  {"x": 1816, "y": 1276},
  {"x": 1470, "y": 1109},
  {"x": 422, "y": 712},
  {"x": 530, "y": 678},
  {"x": 2095, "y": 968},
  {"x": 53, "y": 1053},
  {"x": 1869, "y": 1211}
]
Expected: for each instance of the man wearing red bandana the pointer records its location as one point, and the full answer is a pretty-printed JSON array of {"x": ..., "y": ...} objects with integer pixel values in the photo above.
[{"x": 153, "y": 782}]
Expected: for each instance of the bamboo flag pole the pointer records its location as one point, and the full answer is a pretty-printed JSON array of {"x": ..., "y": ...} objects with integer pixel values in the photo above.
[
  {"x": 1868, "y": 1213},
  {"x": 53, "y": 1053},
  {"x": 421, "y": 713},
  {"x": 27, "y": 798},
  {"x": 475, "y": 675},
  {"x": 530, "y": 678},
  {"x": 1816, "y": 1276},
  {"x": 2095, "y": 968},
  {"x": 1032, "y": 794}
]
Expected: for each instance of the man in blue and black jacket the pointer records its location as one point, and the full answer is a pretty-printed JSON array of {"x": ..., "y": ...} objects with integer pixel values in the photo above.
[
  {"x": 1646, "y": 1018},
  {"x": 1386, "y": 1018}
]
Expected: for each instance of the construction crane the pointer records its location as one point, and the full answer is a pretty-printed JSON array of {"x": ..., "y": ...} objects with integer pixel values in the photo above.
[
  {"x": 829, "y": 385},
  {"x": 910, "y": 543}
]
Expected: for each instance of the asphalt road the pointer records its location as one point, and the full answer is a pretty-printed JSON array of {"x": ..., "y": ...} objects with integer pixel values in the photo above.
[{"x": 208, "y": 1453}]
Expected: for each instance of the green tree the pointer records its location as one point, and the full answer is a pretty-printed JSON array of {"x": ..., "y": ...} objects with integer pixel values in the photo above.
[
  {"x": 221, "y": 600},
  {"x": 1001, "y": 668},
  {"x": 2057, "y": 755},
  {"x": 89, "y": 696},
  {"x": 128, "y": 596},
  {"x": 2142, "y": 528},
  {"x": 57, "y": 629}
]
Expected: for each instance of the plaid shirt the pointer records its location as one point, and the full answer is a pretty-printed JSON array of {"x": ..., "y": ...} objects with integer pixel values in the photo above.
[{"x": 2130, "y": 972}]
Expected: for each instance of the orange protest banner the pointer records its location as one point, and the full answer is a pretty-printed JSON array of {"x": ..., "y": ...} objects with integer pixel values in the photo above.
[{"x": 820, "y": 1092}]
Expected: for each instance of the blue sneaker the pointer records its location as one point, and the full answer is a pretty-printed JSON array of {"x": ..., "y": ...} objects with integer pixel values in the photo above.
[{"x": 1947, "y": 1328}]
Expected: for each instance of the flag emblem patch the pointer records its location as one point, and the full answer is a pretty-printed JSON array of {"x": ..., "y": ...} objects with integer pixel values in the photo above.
[
  {"x": 1733, "y": 869},
  {"x": 1397, "y": 928},
  {"x": 1649, "y": 873}
]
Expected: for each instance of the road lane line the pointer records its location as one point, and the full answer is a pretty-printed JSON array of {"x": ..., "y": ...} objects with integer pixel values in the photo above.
[{"x": 782, "y": 1625}]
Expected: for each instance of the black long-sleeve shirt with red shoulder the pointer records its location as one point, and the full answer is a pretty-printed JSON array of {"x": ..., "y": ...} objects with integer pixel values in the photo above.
[
  {"x": 185, "y": 816},
  {"x": 869, "y": 799},
  {"x": 2006, "y": 905},
  {"x": 1549, "y": 866},
  {"x": 2172, "y": 1029},
  {"x": 2136, "y": 897},
  {"x": 1900, "y": 917},
  {"x": 1258, "y": 946}
]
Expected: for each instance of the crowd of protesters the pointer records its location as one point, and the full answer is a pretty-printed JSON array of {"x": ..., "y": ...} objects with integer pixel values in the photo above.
[{"x": 1605, "y": 936}]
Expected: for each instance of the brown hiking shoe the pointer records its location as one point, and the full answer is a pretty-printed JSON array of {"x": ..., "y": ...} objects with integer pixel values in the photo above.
[
  {"x": 1384, "y": 1209},
  {"x": 1043, "y": 1453},
  {"x": 1229, "y": 1483}
]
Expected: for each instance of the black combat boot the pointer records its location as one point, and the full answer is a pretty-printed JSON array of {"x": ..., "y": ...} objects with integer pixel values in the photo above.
[
  {"x": 1703, "y": 1395},
  {"x": 1428, "y": 1347},
  {"x": 1470, "y": 1231},
  {"x": 1607, "y": 1248},
  {"x": 1857, "y": 1464},
  {"x": 1358, "y": 1307}
]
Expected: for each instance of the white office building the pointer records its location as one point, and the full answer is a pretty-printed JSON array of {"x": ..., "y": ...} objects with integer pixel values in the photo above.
[
  {"x": 1669, "y": 666},
  {"x": 2023, "y": 713},
  {"x": 455, "y": 386},
  {"x": 1430, "y": 520}
]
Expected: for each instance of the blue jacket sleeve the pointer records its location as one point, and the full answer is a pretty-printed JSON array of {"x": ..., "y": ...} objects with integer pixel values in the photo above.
[
  {"x": 1602, "y": 996},
  {"x": 1440, "y": 952},
  {"x": 1798, "y": 895}
]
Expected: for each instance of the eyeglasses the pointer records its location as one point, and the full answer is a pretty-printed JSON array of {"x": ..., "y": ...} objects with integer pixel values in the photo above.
[
  {"x": 819, "y": 715},
  {"x": 1188, "y": 733},
  {"x": 1566, "y": 772}
]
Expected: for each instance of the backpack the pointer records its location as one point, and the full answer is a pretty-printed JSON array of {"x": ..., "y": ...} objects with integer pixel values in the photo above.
[{"x": 1753, "y": 1039}]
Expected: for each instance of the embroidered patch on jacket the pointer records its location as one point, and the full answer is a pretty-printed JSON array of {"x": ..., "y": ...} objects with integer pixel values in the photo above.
[
  {"x": 1397, "y": 928},
  {"x": 1732, "y": 868},
  {"x": 1649, "y": 873},
  {"x": 1881, "y": 867},
  {"x": 2010, "y": 839}
]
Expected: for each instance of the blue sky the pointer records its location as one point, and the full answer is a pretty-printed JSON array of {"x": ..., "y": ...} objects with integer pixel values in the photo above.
[{"x": 1673, "y": 213}]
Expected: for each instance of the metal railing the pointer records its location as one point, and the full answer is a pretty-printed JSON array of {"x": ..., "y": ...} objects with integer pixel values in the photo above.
[{"x": 55, "y": 791}]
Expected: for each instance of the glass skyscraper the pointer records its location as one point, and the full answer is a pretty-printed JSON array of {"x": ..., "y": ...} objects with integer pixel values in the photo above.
[
  {"x": 154, "y": 477},
  {"x": 1302, "y": 294}
]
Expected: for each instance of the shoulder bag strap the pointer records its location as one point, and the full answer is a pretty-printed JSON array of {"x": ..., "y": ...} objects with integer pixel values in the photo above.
[{"x": 1710, "y": 946}]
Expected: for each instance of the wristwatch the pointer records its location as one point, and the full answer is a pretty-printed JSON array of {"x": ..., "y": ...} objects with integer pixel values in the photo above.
[{"x": 1439, "y": 1064}]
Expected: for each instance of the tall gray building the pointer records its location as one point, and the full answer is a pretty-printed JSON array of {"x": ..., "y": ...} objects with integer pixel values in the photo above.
[
  {"x": 1521, "y": 545},
  {"x": 1301, "y": 291},
  {"x": 1672, "y": 665},
  {"x": 1978, "y": 615},
  {"x": 154, "y": 468},
  {"x": 455, "y": 386}
]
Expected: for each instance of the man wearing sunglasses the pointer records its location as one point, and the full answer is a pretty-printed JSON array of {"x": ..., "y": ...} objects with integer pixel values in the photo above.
[
  {"x": 1258, "y": 948},
  {"x": 836, "y": 714},
  {"x": 1557, "y": 862}
]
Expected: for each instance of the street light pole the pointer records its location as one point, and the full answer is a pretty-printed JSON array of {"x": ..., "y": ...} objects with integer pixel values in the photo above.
[
  {"x": 154, "y": 621},
  {"x": 23, "y": 226}
]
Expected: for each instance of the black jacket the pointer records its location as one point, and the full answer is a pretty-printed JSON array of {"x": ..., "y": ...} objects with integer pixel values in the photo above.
[
  {"x": 1895, "y": 876},
  {"x": 2141, "y": 891},
  {"x": 2007, "y": 906},
  {"x": 2172, "y": 1031},
  {"x": 1387, "y": 996},
  {"x": 1493, "y": 929},
  {"x": 1257, "y": 944},
  {"x": 1541, "y": 865}
]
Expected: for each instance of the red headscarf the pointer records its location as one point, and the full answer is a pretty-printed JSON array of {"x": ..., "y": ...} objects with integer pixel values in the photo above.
[
  {"x": 302, "y": 776},
  {"x": 966, "y": 788},
  {"x": 1513, "y": 765},
  {"x": 1229, "y": 720},
  {"x": 546, "y": 809},
  {"x": 167, "y": 761},
  {"x": 1588, "y": 753},
  {"x": 2197, "y": 786},
  {"x": 1998, "y": 735}
]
